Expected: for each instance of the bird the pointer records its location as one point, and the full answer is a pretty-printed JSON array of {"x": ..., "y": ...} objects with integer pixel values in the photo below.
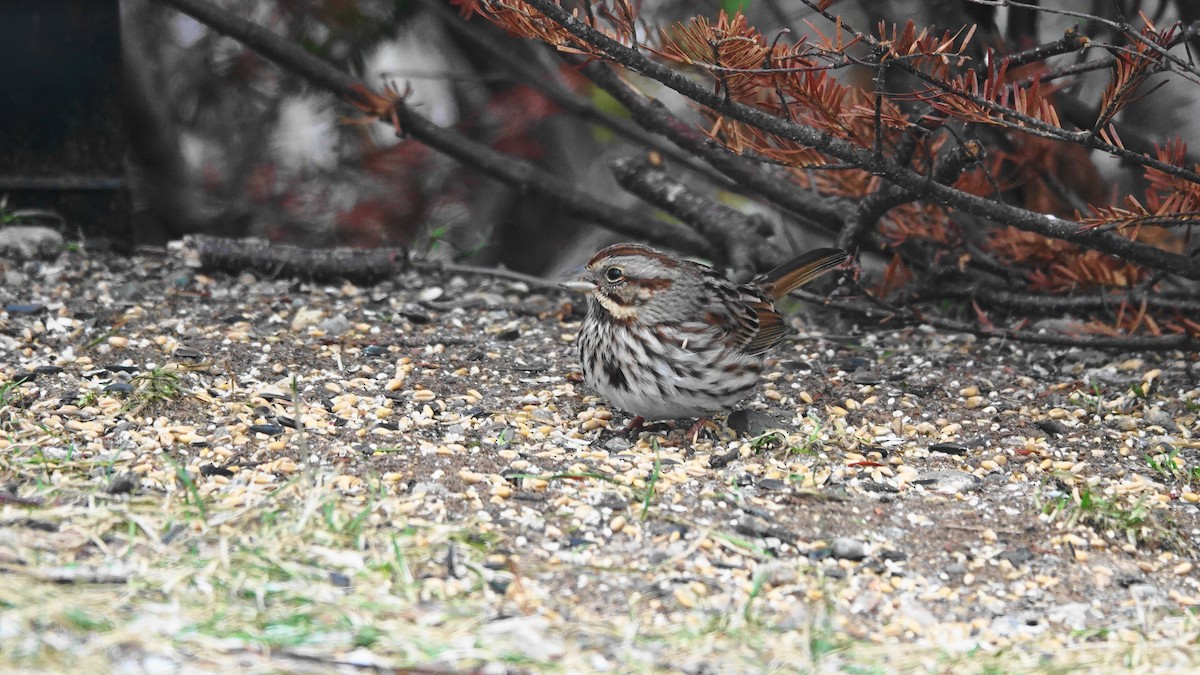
[{"x": 667, "y": 339}]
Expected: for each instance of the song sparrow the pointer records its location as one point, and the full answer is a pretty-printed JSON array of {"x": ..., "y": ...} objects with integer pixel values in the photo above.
[{"x": 666, "y": 338}]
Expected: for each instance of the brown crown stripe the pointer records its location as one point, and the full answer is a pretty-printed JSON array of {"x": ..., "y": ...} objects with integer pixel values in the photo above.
[{"x": 617, "y": 250}]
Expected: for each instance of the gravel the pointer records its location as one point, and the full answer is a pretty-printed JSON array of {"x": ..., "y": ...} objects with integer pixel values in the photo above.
[{"x": 904, "y": 488}]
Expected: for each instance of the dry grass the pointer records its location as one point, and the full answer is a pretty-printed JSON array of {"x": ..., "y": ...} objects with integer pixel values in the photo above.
[
  {"x": 303, "y": 576},
  {"x": 297, "y": 570}
]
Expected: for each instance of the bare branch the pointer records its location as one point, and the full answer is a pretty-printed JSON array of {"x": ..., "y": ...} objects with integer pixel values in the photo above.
[
  {"x": 743, "y": 236},
  {"x": 652, "y": 115},
  {"x": 997, "y": 212},
  {"x": 1122, "y": 27},
  {"x": 552, "y": 89},
  {"x": 1028, "y": 124},
  {"x": 522, "y": 174},
  {"x": 883, "y": 314}
]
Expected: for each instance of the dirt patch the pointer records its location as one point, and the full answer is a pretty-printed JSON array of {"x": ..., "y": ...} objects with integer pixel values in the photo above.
[{"x": 235, "y": 472}]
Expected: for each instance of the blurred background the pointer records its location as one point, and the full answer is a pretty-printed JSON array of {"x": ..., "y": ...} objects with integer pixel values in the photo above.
[{"x": 135, "y": 124}]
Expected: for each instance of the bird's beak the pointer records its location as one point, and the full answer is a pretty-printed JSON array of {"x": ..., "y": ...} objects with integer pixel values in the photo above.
[{"x": 579, "y": 285}]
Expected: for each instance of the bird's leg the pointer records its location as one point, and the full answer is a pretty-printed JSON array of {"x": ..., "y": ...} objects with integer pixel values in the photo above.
[{"x": 635, "y": 425}]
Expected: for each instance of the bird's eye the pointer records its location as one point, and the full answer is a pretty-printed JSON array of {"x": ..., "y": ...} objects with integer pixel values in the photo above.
[{"x": 614, "y": 274}]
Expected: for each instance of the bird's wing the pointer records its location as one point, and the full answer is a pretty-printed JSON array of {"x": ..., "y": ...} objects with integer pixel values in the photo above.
[
  {"x": 771, "y": 328},
  {"x": 736, "y": 312}
]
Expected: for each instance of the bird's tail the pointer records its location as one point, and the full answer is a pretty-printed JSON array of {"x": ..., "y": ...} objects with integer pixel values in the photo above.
[{"x": 801, "y": 270}]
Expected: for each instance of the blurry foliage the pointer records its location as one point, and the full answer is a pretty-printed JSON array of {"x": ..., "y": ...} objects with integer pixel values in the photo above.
[
  {"x": 942, "y": 87},
  {"x": 967, "y": 157},
  {"x": 300, "y": 167}
]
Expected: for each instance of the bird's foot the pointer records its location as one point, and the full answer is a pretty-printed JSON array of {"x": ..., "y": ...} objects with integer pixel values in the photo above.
[
  {"x": 693, "y": 431},
  {"x": 692, "y": 434}
]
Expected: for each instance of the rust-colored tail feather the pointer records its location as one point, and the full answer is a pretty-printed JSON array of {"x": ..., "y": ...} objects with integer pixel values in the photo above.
[{"x": 801, "y": 270}]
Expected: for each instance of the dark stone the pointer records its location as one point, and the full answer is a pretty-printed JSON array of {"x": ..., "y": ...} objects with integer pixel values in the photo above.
[
  {"x": 876, "y": 486},
  {"x": 613, "y": 501},
  {"x": 948, "y": 481},
  {"x": 865, "y": 377},
  {"x": 1127, "y": 580},
  {"x": 215, "y": 470},
  {"x": 719, "y": 461},
  {"x": 955, "y": 570},
  {"x": 119, "y": 388},
  {"x": 1051, "y": 427},
  {"x": 17, "y": 308},
  {"x": 1017, "y": 556},
  {"x": 752, "y": 422},
  {"x": 758, "y": 527},
  {"x": 772, "y": 484},
  {"x": 949, "y": 448},
  {"x": 268, "y": 429},
  {"x": 37, "y": 524},
  {"x": 854, "y": 363},
  {"x": 123, "y": 484},
  {"x": 416, "y": 316}
]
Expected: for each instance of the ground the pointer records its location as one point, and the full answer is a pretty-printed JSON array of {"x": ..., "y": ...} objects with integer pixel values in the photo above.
[{"x": 200, "y": 471}]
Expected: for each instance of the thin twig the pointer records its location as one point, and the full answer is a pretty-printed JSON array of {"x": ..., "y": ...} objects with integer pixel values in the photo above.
[
  {"x": 553, "y": 89},
  {"x": 653, "y": 116},
  {"x": 521, "y": 174},
  {"x": 1070, "y": 41},
  {"x": 1040, "y": 303},
  {"x": 880, "y": 312},
  {"x": 1028, "y": 124},
  {"x": 1120, "y": 27},
  {"x": 995, "y": 211},
  {"x": 497, "y": 272},
  {"x": 740, "y": 236},
  {"x": 567, "y": 194},
  {"x": 873, "y": 207}
]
